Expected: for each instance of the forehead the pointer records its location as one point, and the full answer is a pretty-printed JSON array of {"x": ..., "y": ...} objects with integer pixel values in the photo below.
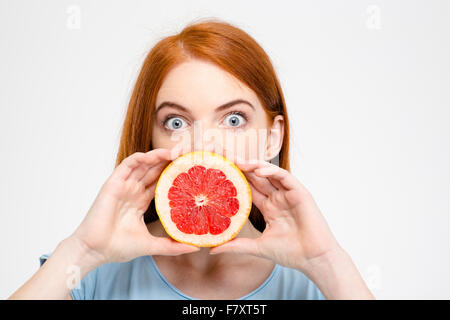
[{"x": 200, "y": 83}]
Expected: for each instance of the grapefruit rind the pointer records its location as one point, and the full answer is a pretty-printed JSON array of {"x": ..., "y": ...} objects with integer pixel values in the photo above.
[{"x": 208, "y": 160}]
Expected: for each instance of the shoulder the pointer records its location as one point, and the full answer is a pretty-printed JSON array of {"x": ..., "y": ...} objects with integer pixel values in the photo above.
[
  {"x": 124, "y": 280},
  {"x": 292, "y": 284}
]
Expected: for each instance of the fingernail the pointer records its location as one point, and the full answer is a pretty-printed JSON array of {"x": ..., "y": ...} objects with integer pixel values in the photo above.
[{"x": 175, "y": 152}]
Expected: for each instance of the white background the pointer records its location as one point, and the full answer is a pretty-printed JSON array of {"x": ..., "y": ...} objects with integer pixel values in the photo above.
[{"x": 367, "y": 85}]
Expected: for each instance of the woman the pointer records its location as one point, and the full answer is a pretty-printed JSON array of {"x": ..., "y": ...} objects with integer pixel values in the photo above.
[{"x": 121, "y": 251}]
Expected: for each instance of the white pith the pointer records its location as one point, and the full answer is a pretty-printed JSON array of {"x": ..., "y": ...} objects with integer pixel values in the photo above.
[{"x": 208, "y": 160}]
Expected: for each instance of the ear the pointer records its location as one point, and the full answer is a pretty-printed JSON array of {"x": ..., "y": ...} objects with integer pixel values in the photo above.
[{"x": 274, "y": 138}]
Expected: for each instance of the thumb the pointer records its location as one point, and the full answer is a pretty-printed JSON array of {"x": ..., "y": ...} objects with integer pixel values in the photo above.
[
  {"x": 238, "y": 245},
  {"x": 169, "y": 247}
]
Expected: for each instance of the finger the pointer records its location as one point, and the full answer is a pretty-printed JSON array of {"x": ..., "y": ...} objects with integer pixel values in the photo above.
[
  {"x": 154, "y": 156},
  {"x": 176, "y": 151},
  {"x": 153, "y": 173},
  {"x": 257, "y": 197},
  {"x": 258, "y": 200},
  {"x": 137, "y": 173},
  {"x": 251, "y": 164},
  {"x": 275, "y": 183},
  {"x": 166, "y": 158},
  {"x": 150, "y": 158},
  {"x": 169, "y": 247},
  {"x": 127, "y": 165},
  {"x": 262, "y": 184},
  {"x": 150, "y": 190},
  {"x": 238, "y": 245},
  {"x": 287, "y": 180}
]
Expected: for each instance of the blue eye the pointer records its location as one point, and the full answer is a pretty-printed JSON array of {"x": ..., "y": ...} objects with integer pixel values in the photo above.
[
  {"x": 235, "y": 118},
  {"x": 176, "y": 122}
]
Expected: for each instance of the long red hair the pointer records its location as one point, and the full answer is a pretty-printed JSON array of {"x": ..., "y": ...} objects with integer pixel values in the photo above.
[{"x": 229, "y": 48}]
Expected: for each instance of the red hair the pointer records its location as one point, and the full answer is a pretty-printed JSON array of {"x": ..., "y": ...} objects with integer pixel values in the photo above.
[{"x": 218, "y": 42}]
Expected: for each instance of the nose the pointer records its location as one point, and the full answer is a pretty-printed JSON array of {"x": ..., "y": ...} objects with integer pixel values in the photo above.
[
  {"x": 207, "y": 137},
  {"x": 200, "y": 140},
  {"x": 208, "y": 147}
]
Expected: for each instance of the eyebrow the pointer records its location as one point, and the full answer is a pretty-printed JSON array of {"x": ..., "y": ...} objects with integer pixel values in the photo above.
[{"x": 218, "y": 109}]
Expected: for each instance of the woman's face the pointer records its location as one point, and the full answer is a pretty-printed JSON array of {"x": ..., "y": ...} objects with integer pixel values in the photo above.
[{"x": 202, "y": 107}]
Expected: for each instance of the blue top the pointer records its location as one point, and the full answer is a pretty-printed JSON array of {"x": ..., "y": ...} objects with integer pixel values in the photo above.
[{"x": 140, "y": 279}]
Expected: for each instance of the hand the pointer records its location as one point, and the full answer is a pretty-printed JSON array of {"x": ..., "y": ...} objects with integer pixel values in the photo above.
[
  {"x": 114, "y": 228},
  {"x": 296, "y": 232}
]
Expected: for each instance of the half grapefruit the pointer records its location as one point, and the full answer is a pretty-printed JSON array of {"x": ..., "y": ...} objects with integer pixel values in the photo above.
[{"x": 202, "y": 199}]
